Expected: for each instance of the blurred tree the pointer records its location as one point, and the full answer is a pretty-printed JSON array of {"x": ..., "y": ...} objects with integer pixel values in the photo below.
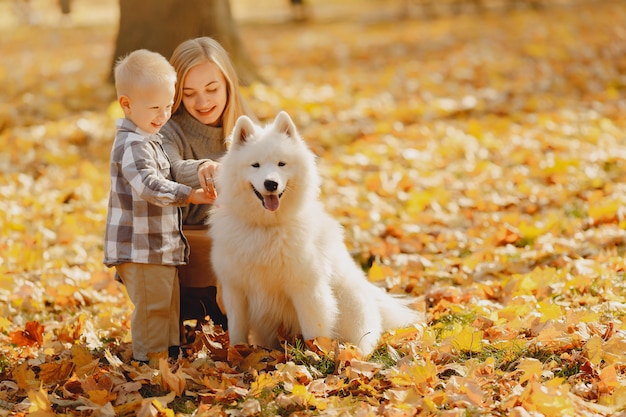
[{"x": 161, "y": 25}]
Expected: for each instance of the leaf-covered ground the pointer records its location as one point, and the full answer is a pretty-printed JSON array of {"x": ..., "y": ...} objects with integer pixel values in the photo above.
[{"x": 477, "y": 162}]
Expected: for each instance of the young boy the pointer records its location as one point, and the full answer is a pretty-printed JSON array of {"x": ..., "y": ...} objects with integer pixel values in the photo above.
[{"x": 144, "y": 239}]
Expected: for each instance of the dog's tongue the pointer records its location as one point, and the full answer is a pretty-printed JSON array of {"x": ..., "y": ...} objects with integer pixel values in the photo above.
[{"x": 271, "y": 202}]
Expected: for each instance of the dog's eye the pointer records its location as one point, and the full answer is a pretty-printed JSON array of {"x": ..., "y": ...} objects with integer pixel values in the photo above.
[
  {"x": 256, "y": 165},
  {"x": 281, "y": 164}
]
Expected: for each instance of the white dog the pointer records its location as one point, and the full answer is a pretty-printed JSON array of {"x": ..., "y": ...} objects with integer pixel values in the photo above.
[{"x": 279, "y": 257}]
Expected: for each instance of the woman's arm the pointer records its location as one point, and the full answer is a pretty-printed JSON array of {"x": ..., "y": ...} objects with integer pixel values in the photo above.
[{"x": 184, "y": 167}]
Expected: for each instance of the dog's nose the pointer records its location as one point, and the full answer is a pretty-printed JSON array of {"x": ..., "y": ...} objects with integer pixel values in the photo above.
[{"x": 270, "y": 185}]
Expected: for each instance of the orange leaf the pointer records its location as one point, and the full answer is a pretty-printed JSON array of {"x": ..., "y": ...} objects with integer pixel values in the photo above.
[
  {"x": 55, "y": 372},
  {"x": 348, "y": 354},
  {"x": 506, "y": 235},
  {"x": 85, "y": 363},
  {"x": 608, "y": 380},
  {"x": 101, "y": 396},
  {"x": 25, "y": 377},
  {"x": 32, "y": 335},
  {"x": 100, "y": 381},
  {"x": 175, "y": 382}
]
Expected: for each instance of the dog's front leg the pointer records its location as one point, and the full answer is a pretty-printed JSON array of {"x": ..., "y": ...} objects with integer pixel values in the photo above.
[
  {"x": 237, "y": 314},
  {"x": 317, "y": 312}
]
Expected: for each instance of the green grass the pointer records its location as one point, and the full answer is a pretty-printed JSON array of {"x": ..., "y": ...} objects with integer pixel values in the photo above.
[
  {"x": 446, "y": 322},
  {"x": 299, "y": 354},
  {"x": 5, "y": 363}
]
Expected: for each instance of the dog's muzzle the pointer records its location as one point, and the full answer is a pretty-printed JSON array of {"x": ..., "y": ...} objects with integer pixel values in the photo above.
[{"x": 270, "y": 201}]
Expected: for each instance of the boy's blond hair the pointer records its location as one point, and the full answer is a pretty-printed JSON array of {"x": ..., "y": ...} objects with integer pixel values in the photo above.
[{"x": 142, "y": 68}]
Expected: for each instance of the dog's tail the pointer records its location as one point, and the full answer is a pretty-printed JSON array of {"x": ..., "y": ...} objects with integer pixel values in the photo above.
[{"x": 396, "y": 312}]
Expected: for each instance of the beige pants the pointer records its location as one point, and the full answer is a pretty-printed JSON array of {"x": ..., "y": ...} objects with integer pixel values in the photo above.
[
  {"x": 198, "y": 273},
  {"x": 155, "y": 293}
]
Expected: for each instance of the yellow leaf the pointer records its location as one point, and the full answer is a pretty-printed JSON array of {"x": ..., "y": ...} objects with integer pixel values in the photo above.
[
  {"x": 264, "y": 383},
  {"x": 162, "y": 411},
  {"x": 615, "y": 349},
  {"x": 309, "y": 399},
  {"x": 376, "y": 273},
  {"x": 594, "y": 349},
  {"x": 299, "y": 389},
  {"x": 552, "y": 400},
  {"x": 81, "y": 355},
  {"x": 617, "y": 399},
  {"x": 418, "y": 201},
  {"x": 40, "y": 405},
  {"x": 604, "y": 211},
  {"x": 531, "y": 369},
  {"x": 4, "y": 324},
  {"x": 551, "y": 335},
  {"x": 419, "y": 374},
  {"x": 549, "y": 311},
  {"x": 431, "y": 403},
  {"x": 85, "y": 363},
  {"x": 399, "y": 336},
  {"x": 468, "y": 340}
]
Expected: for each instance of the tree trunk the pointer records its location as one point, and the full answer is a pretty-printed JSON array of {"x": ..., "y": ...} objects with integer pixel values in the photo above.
[{"x": 162, "y": 25}]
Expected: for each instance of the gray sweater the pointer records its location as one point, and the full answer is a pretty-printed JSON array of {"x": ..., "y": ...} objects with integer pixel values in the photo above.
[{"x": 188, "y": 143}]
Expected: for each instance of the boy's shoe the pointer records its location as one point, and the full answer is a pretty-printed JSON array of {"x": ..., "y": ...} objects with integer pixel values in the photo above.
[{"x": 175, "y": 352}]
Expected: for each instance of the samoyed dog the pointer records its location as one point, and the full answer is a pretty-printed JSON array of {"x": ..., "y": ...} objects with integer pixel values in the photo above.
[{"x": 279, "y": 257}]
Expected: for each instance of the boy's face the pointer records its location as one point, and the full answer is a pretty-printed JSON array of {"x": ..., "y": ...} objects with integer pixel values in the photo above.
[
  {"x": 205, "y": 93},
  {"x": 149, "y": 107}
]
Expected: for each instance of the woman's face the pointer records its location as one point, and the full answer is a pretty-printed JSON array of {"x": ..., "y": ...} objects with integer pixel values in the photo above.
[{"x": 205, "y": 93}]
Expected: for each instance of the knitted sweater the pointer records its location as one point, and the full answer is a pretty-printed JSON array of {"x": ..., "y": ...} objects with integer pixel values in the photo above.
[{"x": 188, "y": 143}]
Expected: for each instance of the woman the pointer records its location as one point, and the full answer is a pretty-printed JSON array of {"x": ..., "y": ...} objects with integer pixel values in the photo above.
[{"x": 207, "y": 103}]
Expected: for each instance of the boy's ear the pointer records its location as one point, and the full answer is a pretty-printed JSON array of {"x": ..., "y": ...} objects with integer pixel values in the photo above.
[{"x": 124, "y": 103}]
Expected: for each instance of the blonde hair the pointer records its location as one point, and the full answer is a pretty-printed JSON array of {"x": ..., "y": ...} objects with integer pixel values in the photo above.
[
  {"x": 142, "y": 68},
  {"x": 197, "y": 51}
]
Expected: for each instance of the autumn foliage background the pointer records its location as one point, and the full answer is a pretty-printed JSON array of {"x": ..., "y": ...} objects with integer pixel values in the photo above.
[{"x": 476, "y": 160}]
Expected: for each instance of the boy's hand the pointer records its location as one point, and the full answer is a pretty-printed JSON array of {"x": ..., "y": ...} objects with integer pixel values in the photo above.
[{"x": 199, "y": 196}]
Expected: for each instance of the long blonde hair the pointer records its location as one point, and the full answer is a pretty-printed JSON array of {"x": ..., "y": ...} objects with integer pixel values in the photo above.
[{"x": 197, "y": 51}]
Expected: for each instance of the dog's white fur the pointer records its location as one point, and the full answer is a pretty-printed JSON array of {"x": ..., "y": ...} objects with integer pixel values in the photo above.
[{"x": 279, "y": 257}]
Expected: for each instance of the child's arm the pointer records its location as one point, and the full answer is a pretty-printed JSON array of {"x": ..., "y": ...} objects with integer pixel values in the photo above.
[{"x": 145, "y": 169}]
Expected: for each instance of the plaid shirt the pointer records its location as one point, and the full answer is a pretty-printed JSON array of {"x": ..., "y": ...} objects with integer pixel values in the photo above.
[{"x": 144, "y": 216}]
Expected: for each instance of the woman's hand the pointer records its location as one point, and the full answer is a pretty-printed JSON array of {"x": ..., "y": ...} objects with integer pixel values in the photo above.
[{"x": 206, "y": 175}]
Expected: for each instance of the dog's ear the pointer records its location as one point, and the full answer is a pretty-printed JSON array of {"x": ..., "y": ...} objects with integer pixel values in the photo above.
[
  {"x": 244, "y": 128},
  {"x": 284, "y": 124}
]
